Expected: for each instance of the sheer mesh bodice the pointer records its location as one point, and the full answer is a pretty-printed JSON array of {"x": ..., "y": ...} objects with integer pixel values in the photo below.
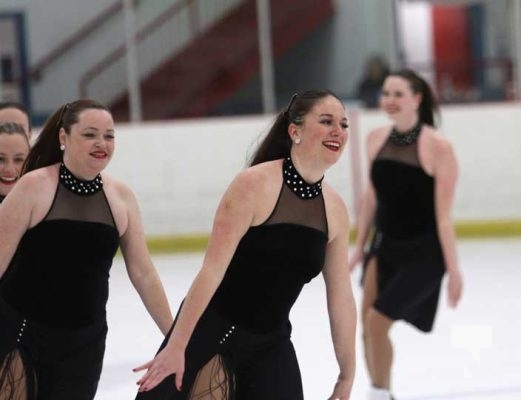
[
  {"x": 405, "y": 154},
  {"x": 272, "y": 263},
  {"x": 69, "y": 206},
  {"x": 62, "y": 266},
  {"x": 404, "y": 191},
  {"x": 292, "y": 210}
]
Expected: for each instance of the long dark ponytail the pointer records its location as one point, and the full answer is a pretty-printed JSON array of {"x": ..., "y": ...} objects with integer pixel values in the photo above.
[
  {"x": 277, "y": 143},
  {"x": 46, "y": 150}
]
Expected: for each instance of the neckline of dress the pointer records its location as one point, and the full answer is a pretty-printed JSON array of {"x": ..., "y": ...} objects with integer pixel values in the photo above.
[
  {"x": 405, "y": 138},
  {"x": 297, "y": 183},
  {"x": 79, "y": 186}
]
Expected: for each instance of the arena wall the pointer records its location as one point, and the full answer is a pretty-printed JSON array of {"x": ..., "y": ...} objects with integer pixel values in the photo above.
[{"x": 180, "y": 169}]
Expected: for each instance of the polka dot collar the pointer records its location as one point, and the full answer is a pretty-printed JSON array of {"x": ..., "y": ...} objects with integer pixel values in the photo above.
[
  {"x": 78, "y": 186},
  {"x": 297, "y": 184}
]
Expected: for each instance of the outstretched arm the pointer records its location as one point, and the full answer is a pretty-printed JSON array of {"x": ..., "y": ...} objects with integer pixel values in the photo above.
[
  {"x": 341, "y": 305},
  {"x": 366, "y": 213},
  {"x": 233, "y": 218},
  {"x": 364, "y": 224},
  {"x": 140, "y": 268},
  {"x": 446, "y": 175}
]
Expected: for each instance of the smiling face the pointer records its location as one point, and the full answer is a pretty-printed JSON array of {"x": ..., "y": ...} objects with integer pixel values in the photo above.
[
  {"x": 323, "y": 134},
  {"x": 398, "y": 99},
  {"x": 90, "y": 143},
  {"x": 14, "y": 149}
]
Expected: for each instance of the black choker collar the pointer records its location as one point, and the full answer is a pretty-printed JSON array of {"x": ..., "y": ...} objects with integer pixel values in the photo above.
[
  {"x": 405, "y": 138},
  {"x": 297, "y": 184},
  {"x": 75, "y": 185}
]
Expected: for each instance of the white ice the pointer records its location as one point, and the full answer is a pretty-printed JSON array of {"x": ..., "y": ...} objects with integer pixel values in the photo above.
[{"x": 473, "y": 352}]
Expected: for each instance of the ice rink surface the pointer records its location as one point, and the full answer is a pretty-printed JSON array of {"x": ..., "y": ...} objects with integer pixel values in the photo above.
[{"x": 474, "y": 351}]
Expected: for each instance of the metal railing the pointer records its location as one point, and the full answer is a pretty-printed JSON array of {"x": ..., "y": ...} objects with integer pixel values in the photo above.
[
  {"x": 156, "y": 42},
  {"x": 72, "y": 41}
]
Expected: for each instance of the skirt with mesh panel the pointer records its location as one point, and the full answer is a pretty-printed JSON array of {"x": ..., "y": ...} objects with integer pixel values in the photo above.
[
  {"x": 41, "y": 363},
  {"x": 410, "y": 272},
  {"x": 226, "y": 362}
]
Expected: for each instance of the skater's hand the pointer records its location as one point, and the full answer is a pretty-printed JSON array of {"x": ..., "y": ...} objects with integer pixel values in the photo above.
[
  {"x": 170, "y": 360},
  {"x": 341, "y": 390},
  {"x": 455, "y": 287}
]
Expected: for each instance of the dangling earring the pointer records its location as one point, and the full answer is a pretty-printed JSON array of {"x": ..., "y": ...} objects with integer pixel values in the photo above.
[
  {"x": 62, "y": 147},
  {"x": 297, "y": 140}
]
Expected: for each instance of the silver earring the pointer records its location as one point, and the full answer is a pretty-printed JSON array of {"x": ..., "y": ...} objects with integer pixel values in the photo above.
[
  {"x": 297, "y": 140},
  {"x": 62, "y": 147}
]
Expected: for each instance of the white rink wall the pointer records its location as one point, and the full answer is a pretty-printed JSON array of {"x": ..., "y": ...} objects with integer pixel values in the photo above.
[{"x": 180, "y": 169}]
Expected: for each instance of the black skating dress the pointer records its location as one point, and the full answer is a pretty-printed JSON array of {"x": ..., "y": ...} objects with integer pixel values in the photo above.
[
  {"x": 243, "y": 338},
  {"x": 410, "y": 264},
  {"x": 52, "y": 305}
]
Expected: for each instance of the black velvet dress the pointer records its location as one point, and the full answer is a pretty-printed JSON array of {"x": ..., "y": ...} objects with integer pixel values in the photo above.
[
  {"x": 241, "y": 348},
  {"x": 52, "y": 302},
  {"x": 410, "y": 261}
]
